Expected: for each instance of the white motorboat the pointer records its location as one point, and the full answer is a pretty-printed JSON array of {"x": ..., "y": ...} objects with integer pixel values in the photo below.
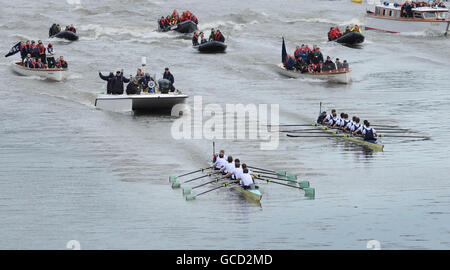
[
  {"x": 141, "y": 102},
  {"x": 387, "y": 17},
  {"x": 55, "y": 74},
  {"x": 336, "y": 76}
]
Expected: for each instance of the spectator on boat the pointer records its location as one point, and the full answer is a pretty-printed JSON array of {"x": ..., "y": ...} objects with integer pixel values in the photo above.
[
  {"x": 290, "y": 62},
  {"x": 202, "y": 38},
  {"x": 317, "y": 56},
  {"x": 219, "y": 36},
  {"x": 345, "y": 64},
  {"x": 34, "y": 50},
  {"x": 339, "y": 64},
  {"x": 133, "y": 87},
  {"x": 61, "y": 63},
  {"x": 328, "y": 65},
  {"x": 312, "y": 68},
  {"x": 139, "y": 74},
  {"x": 168, "y": 76},
  {"x": 356, "y": 28},
  {"x": 195, "y": 39},
  {"x": 39, "y": 63},
  {"x": 33, "y": 63},
  {"x": 162, "y": 22},
  {"x": 143, "y": 82},
  {"x": 347, "y": 30},
  {"x": 27, "y": 60},
  {"x": 23, "y": 50},
  {"x": 117, "y": 83},
  {"x": 50, "y": 56},
  {"x": 109, "y": 79},
  {"x": 41, "y": 52},
  {"x": 212, "y": 36}
]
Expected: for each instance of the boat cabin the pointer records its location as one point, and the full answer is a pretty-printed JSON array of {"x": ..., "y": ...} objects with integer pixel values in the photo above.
[{"x": 394, "y": 10}]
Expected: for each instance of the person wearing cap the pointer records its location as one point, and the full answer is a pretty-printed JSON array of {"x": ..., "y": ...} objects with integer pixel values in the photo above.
[
  {"x": 27, "y": 60},
  {"x": 322, "y": 117},
  {"x": 168, "y": 76},
  {"x": 50, "y": 56},
  {"x": 328, "y": 65},
  {"x": 117, "y": 83}
]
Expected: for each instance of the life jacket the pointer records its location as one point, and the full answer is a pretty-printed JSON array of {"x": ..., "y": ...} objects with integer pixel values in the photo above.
[
  {"x": 41, "y": 49},
  {"x": 369, "y": 135},
  {"x": 195, "y": 19},
  {"x": 195, "y": 36},
  {"x": 162, "y": 21},
  {"x": 167, "y": 20},
  {"x": 60, "y": 63}
]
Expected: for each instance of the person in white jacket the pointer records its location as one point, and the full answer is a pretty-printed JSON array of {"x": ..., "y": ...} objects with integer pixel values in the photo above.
[{"x": 50, "y": 56}]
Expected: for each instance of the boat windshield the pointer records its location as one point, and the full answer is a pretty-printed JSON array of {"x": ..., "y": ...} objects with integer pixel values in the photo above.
[
  {"x": 429, "y": 15},
  {"x": 442, "y": 15}
]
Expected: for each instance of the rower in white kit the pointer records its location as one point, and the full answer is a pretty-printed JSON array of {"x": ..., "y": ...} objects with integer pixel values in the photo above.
[
  {"x": 247, "y": 180},
  {"x": 228, "y": 166},
  {"x": 220, "y": 160}
]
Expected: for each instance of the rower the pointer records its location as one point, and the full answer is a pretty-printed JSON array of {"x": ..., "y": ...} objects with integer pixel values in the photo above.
[
  {"x": 220, "y": 161},
  {"x": 331, "y": 118},
  {"x": 244, "y": 166},
  {"x": 322, "y": 117},
  {"x": 361, "y": 128},
  {"x": 338, "y": 122},
  {"x": 350, "y": 127},
  {"x": 228, "y": 167},
  {"x": 247, "y": 180},
  {"x": 236, "y": 170},
  {"x": 344, "y": 121},
  {"x": 369, "y": 134}
]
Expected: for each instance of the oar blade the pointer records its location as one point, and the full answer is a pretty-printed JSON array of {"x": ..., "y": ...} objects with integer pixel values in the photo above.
[
  {"x": 190, "y": 197},
  {"x": 172, "y": 179},
  {"x": 176, "y": 185},
  {"x": 187, "y": 191},
  {"x": 303, "y": 184},
  {"x": 291, "y": 177},
  {"x": 310, "y": 192}
]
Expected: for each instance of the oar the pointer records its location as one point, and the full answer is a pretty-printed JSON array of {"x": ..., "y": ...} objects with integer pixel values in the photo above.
[
  {"x": 301, "y": 131},
  {"x": 191, "y": 197},
  {"x": 295, "y": 125},
  {"x": 309, "y": 136},
  {"x": 309, "y": 192},
  {"x": 261, "y": 169},
  {"x": 292, "y": 178},
  {"x": 178, "y": 184},
  {"x": 174, "y": 178},
  {"x": 407, "y": 136},
  {"x": 188, "y": 190}
]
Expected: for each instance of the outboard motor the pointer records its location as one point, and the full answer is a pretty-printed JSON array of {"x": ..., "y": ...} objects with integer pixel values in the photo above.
[{"x": 164, "y": 86}]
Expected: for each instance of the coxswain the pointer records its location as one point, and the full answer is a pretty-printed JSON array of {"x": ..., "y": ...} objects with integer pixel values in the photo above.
[
  {"x": 369, "y": 133},
  {"x": 322, "y": 117},
  {"x": 195, "y": 39},
  {"x": 220, "y": 160}
]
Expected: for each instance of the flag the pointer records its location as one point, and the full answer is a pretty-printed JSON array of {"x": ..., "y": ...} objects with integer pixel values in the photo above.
[
  {"x": 15, "y": 49},
  {"x": 283, "y": 53}
]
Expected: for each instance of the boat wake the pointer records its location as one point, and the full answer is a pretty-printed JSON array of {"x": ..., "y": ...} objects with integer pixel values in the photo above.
[{"x": 358, "y": 21}]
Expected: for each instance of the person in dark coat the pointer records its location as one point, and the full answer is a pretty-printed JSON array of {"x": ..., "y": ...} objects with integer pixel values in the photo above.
[
  {"x": 328, "y": 65},
  {"x": 109, "y": 79},
  {"x": 117, "y": 83},
  {"x": 133, "y": 88},
  {"x": 168, "y": 76},
  {"x": 219, "y": 36}
]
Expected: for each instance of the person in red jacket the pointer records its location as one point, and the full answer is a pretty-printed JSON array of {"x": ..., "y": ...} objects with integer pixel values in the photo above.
[{"x": 41, "y": 52}]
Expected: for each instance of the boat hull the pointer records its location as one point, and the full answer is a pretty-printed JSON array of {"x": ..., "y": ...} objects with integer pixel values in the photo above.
[
  {"x": 335, "y": 77},
  {"x": 185, "y": 27},
  {"x": 351, "y": 38},
  {"x": 373, "y": 146},
  {"x": 404, "y": 25},
  {"x": 211, "y": 47},
  {"x": 253, "y": 194},
  {"x": 68, "y": 35},
  {"x": 143, "y": 102},
  {"x": 53, "y": 74}
]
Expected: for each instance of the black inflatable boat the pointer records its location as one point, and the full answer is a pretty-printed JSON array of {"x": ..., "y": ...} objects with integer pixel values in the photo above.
[
  {"x": 351, "y": 38},
  {"x": 69, "y": 35},
  {"x": 182, "y": 27},
  {"x": 211, "y": 47}
]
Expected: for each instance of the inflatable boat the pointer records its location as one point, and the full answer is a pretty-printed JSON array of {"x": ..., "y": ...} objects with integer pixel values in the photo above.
[{"x": 211, "y": 47}]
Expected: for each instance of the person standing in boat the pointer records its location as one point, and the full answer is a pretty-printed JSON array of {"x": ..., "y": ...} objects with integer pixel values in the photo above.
[
  {"x": 109, "y": 80},
  {"x": 212, "y": 35},
  {"x": 41, "y": 52},
  {"x": 117, "y": 83},
  {"x": 168, "y": 76},
  {"x": 195, "y": 39},
  {"x": 50, "y": 56}
]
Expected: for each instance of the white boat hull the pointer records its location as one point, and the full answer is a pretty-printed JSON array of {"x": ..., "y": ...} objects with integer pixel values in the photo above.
[
  {"x": 338, "y": 77},
  {"x": 142, "y": 102},
  {"x": 54, "y": 74},
  {"x": 406, "y": 25}
]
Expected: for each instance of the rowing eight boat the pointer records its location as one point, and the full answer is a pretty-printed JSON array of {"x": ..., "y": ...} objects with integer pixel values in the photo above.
[{"x": 373, "y": 146}]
